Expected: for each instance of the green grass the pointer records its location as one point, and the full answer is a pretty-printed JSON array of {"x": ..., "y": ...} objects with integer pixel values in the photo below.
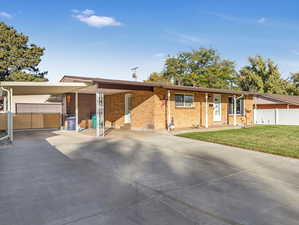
[{"x": 279, "y": 140}]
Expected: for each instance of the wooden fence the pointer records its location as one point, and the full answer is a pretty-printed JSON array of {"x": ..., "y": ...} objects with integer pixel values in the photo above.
[{"x": 22, "y": 121}]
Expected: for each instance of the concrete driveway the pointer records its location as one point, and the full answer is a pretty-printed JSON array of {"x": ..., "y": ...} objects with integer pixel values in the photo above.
[{"x": 62, "y": 178}]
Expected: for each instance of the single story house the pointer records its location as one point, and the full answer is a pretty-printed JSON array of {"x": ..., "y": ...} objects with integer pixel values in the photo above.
[
  {"x": 139, "y": 105},
  {"x": 275, "y": 109},
  {"x": 276, "y": 101}
]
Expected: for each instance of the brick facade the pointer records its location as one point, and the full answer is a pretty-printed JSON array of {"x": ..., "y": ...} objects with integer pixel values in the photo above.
[{"x": 149, "y": 110}]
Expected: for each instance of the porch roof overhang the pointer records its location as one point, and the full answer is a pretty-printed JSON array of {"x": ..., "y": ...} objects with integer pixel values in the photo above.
[
  {"x": 43, "y": 88},
  {"x": 137, "y": 85}
]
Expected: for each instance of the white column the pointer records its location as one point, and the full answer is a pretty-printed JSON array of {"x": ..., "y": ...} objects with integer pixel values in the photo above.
[
  {"x": 11, "y": 115},
  {"x": 5, "y": 104},
  {"x": 77, "y": 111},
  {"x": 235, "y": 111},
  {"x": 98, "y": 112},
  {"x": 8, "y": 115},
  {"x": 103, "y": 113},
  {"x": 168, "y": 111},
  {"x": 207, "y": 112}
]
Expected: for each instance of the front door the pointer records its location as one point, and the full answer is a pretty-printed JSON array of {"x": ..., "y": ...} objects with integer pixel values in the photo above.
[
  {"x": 128, "y": 99},
  {"x": 217, "y": 107}
]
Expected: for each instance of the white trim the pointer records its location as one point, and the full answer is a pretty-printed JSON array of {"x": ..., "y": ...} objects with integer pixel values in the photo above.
[
  {"x": 168, "y": 109},
  {"x": 77, "y": 111},
  {"x": 128, "y": 102},
  {"x": 237, "y": 98},
  {"x": 42, "y": 84},
  {"x": 98, "y": 112},
  {"x": 103, "y": 113},
  {"x": 10, "y": 115}
]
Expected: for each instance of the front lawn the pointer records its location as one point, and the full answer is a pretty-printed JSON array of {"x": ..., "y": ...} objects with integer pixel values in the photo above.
[{"x": 280, "y": 140}]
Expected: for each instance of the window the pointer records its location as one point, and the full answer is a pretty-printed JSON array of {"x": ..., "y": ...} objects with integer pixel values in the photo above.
[
  {"x": 239, "y": 106},
  {"x": 184, "y": 101}
]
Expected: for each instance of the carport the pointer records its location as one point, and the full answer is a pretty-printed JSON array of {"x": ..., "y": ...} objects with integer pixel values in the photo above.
[
  {"x": 10, "y": 89},
  {"x": 68, "y": 85}
]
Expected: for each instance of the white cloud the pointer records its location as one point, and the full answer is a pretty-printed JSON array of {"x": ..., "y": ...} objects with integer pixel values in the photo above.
[
  {"x": 88, "y": 12},
  {"x": 5, "y": 15},
  {"x": 88, "y": 17},
  {"x": 262, "y": 20}
]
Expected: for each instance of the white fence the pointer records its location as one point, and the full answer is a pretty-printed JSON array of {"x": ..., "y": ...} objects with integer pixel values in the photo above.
[{"x": 276, "y": 116}]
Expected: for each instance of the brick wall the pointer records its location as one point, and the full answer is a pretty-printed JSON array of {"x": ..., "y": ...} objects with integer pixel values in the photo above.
[
  {"x": 114, "y": 110},
  {"x": 196, "y": 116},
  {"x": 247, "y": 118},
  {"x": 149, "y": 110},
  {"x": 186, "y": 117},
  {"x": 142, "y": 110}
]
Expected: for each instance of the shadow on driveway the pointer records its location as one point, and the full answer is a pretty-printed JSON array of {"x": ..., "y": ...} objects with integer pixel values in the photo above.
[{"x": 54, "y": 179}]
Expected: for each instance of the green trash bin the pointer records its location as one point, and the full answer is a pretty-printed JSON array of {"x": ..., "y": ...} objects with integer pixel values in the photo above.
[{"x": 94, "y": 121}]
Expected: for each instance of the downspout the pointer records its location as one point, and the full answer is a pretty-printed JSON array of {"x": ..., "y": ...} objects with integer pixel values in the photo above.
[{"x": 207, "y": 114}]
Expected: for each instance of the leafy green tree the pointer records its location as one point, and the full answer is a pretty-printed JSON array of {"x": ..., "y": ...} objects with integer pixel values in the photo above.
[
  {"x": 262, "y": 76},
  {"x": 202, "y": 67},
  {"x": 295, "y": 79},
  {"x": 157, "y": 77},
  {"x": 18, "y": 59}
]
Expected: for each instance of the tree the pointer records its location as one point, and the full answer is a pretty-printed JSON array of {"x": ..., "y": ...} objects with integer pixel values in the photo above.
[
  {"x": 295, "y": 79},
  {"x": 262, "y": 76},
  {"x": 202, "y": 67},
  {"x": 157, "y": 77},
  {"x": 18, "y": 59}
]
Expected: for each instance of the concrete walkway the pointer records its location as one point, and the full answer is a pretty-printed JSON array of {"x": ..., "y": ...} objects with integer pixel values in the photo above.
[{"x": 64, "y": 178}]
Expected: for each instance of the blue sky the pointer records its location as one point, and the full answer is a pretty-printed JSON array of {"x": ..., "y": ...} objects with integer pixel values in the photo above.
[{"x": 107, "y": 38}]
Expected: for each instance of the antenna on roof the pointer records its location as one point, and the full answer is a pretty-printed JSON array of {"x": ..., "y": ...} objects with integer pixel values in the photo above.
[{"x": 134, "y": 74}]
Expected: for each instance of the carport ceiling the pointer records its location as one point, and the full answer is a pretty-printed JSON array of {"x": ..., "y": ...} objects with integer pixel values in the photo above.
[
  {"x": 42, "y": 88},
  {"x": 93, "y": 88},
  {"x": 47, "y": 88}
]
